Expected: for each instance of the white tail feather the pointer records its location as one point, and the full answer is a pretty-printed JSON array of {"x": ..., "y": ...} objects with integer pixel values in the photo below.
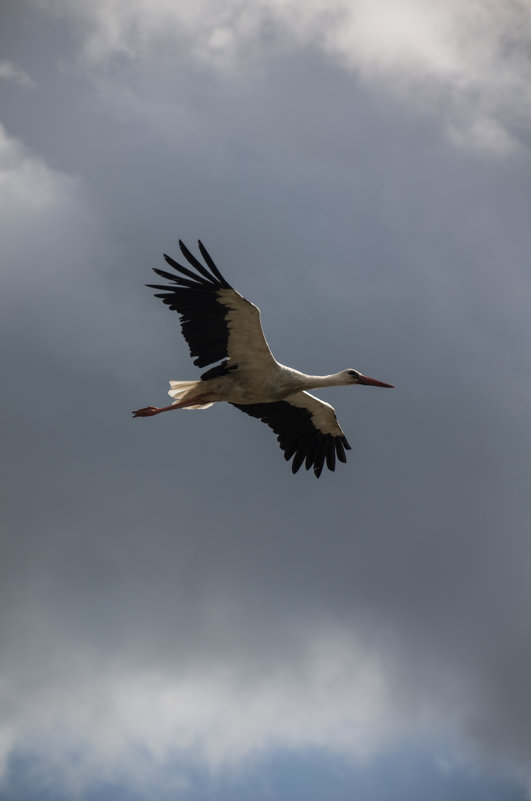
[{"x": 180, "y": 389}]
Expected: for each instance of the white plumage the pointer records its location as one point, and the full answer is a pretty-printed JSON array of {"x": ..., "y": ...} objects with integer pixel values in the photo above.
[{"x": 222, "y": 326}]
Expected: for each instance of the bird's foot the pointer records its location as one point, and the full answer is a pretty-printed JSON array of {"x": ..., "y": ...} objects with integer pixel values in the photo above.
[{"x": 147, "y": 411}]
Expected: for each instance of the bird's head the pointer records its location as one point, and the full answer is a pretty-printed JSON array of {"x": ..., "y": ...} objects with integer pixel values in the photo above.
[{"x": 355, "y": 377}]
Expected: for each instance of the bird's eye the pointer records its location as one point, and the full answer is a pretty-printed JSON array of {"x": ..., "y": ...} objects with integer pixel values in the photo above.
[{"x": 354, "y": 373}]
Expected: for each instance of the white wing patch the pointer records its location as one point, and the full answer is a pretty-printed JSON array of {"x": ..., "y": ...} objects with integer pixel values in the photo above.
[
  {"x": 246, "y": 344},
  {"x": 323, "y": 415}
]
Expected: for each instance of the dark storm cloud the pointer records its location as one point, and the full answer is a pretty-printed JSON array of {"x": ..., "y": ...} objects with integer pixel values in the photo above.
[{"x": 173, "y": 568}]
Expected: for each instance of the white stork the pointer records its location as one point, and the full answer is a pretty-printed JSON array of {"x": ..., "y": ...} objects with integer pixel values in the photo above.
[{"x": 222, "y": 326}]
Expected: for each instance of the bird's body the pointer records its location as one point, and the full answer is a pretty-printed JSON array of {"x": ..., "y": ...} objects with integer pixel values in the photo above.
[
  {"x": 222, "y": 326},
  {"x": 249, "y": 385}
]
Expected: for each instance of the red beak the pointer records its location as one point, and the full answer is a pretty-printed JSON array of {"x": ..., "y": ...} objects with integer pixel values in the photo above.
[{"x": 372, "y": 382}]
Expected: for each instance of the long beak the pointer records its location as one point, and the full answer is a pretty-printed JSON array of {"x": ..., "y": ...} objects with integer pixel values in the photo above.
[{"x": 372, "y": 382}]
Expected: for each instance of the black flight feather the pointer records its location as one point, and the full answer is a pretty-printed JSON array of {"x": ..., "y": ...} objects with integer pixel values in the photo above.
[
  {"x": 196, "y": 298},
  {"x": 297, "y": 435}
]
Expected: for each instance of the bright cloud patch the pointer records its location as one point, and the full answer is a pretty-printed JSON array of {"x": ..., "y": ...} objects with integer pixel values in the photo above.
[
  {"x": 96, "y": 721},
  {"x": 468, "y": 62},
  {"x": 26, "y": 180},
  {"x": 10, "y": 72},
  {"x": 55, "y": 247}
]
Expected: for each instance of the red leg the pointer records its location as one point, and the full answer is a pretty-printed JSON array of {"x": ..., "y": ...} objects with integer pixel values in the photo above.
[{"x": 149, "y": 411}]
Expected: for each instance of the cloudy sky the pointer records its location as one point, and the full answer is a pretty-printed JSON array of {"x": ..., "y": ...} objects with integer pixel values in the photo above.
[{"x": 181, "y": 617}]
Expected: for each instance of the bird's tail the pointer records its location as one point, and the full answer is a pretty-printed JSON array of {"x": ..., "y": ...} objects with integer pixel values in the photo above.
[{"x": 180, "y": 390}]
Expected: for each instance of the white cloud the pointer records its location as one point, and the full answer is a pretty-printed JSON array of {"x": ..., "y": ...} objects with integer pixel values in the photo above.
[
  {"x": 43, "y": 214},
  {"x": 467, "y": 62},
  {"x": 29, "y": 188},
  {"x": 94, "y": 720},
  {"x": 9, "y": 72},
  {"x": 54, "y": 245}
]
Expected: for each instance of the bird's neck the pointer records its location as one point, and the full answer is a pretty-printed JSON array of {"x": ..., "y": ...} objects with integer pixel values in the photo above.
[{"x": 333, "y": 380}]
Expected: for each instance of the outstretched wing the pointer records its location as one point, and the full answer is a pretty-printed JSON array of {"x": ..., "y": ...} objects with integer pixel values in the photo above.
[
  {"x": 306, "y": 428},
  {"x": 216, "y": 321}
]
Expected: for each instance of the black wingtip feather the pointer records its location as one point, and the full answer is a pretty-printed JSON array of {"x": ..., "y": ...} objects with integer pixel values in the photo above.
[
  {"x": 340, "y": 450},
  {"x": 298, "y": 459},
  {"x": 208, "y": 258},
  {"x": 180, "y": 268},
  {"x": 331, "y": 454},
  {"x": 194, "y": 262}
]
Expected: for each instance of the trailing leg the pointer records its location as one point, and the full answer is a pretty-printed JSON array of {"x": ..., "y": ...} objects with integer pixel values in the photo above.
[{"x": 149, "y": 411}]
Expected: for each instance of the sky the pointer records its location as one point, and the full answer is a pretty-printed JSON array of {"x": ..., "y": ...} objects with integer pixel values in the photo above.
[{"x": 181, "y": 617}]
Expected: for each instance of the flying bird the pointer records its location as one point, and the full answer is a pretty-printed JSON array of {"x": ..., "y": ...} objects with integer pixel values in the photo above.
[{"x": 220, "y": 325}]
